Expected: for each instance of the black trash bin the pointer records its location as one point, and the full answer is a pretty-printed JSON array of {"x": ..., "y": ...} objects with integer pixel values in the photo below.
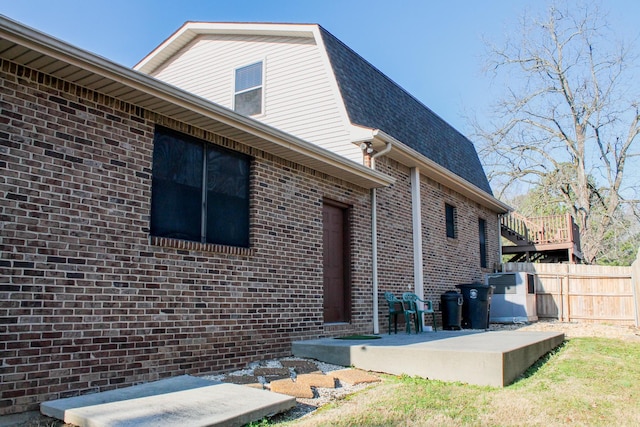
[
  {"x": 451, "y": 307},
  {"x": 476, "y": 304}
]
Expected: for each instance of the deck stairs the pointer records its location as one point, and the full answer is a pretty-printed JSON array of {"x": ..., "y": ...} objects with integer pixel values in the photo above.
[
  {"x": 553, "y": 238},
  {"x": 518, "y": 229}
]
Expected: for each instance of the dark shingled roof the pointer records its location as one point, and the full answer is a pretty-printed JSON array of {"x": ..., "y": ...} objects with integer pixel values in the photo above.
[{"x": 375, "y": 101}]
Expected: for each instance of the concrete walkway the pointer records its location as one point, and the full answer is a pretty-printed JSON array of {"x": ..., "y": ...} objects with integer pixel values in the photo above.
[
  {"x": 494, "y": 358},
  {"x": 179, "y": 401}
]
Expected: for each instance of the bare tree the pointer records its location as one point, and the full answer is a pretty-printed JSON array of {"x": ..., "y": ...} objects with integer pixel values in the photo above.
[{"x": 569, "y": 119}]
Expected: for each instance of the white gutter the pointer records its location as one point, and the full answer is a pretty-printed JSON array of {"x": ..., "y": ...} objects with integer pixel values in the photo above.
[
  {"x": 429, "y": 168},
  {"x": 374, "y": 242}
]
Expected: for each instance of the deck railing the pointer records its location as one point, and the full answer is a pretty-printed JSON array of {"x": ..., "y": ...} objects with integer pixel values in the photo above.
[{"x": 542, "y": 230}]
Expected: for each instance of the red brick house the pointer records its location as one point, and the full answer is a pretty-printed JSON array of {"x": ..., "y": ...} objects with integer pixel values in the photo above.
[
  {"x": 436, "y": 225},
  {"x": 149, "y": 232}
]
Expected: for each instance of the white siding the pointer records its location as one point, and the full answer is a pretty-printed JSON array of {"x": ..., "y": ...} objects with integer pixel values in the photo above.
[{"x": 300, "y": 94}]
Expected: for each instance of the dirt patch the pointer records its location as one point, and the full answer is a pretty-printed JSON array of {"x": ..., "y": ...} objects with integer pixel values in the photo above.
[{"x": 576, "y": 329}]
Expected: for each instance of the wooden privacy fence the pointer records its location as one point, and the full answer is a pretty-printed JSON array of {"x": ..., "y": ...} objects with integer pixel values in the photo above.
[{"x": 585, "y": 293}]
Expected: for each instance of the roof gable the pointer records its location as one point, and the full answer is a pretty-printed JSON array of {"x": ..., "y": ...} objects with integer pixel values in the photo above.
[
  {"x": 30, "y": 48},
  {"x": 193, "y": 29},
  {"x": 370, "y": 100},
  {"x": 375, "y": 101}
]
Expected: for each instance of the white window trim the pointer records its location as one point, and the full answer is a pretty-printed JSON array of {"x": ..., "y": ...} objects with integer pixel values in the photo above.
[{"x": 263, "y": 108}]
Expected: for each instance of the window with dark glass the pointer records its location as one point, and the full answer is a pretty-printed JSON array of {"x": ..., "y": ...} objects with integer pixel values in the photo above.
[
  {"x": 200, "y": 192},
  {"x": 450, "y": 216},
  {"x": 482, "y": 233},
  {"x": 248, "y": 90}
]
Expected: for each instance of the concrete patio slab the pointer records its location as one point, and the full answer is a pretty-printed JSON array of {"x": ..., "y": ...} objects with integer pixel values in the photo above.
[
  {"x": 494, "y": 358},
  {"x": 184, "y": 400}
]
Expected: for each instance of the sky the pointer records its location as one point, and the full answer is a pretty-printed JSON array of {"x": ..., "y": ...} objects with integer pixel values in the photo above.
[{"x": 434, "y": 49}]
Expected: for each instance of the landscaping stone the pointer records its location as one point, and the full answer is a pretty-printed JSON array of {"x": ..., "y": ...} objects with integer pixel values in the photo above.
[
  {"x": 317, "y": 380},
  {"x": 259, "y": 386},
  {"x": 300, "y": 366},
  {"x": 291, "y": 388},
  {"x": 241, "y": 379},
  {"x": 271, "y": 374},
  {"x": 354, "y": 376}
]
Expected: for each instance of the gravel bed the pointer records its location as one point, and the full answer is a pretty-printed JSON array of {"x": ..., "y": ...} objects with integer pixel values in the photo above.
[{"x": 322, "y": 396}]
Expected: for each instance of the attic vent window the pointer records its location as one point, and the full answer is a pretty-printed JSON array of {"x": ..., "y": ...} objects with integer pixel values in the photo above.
[
  {"x": 450, "y": 218},
  {"x": 248, "y": 90},
  {"x": 482, "y": 233}
]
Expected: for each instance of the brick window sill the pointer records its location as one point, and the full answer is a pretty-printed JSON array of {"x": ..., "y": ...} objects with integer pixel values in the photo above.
[{"x": 185, "y": 245}]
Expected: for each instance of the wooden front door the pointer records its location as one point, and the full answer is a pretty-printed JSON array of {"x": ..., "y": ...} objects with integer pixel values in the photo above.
[{"x": 335, "y": 264}]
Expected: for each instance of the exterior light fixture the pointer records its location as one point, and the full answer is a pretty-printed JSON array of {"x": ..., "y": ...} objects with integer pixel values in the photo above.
[{"x": 366, "y": 147}]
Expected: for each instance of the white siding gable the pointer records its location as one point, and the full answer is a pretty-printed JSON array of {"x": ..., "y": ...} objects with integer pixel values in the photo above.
[{"x": 300, "y": 93}]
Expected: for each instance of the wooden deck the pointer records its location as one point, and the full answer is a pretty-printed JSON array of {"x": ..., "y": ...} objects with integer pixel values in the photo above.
[{"x": 554, "y": 238}]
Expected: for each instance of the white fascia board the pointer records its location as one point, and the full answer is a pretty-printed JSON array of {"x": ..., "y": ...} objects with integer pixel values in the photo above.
[
  {"x": 190, "y": 30},
  {"x": 334, "y": 83},
  {"x": 166, "y": 49},
  {"x": 412, "y": 158},
  {"x": 360, "y": 134}
]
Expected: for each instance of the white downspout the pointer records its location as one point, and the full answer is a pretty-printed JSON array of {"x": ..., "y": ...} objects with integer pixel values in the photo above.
[
  {"x": 499, "y": 266},
  {"x": 374, "y": 261},
  {"x": 416, "y": 219},
  {"x": 374, "y": 242}
]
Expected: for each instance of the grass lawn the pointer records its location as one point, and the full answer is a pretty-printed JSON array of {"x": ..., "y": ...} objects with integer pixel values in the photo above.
[{"x": 587, "y": 381}]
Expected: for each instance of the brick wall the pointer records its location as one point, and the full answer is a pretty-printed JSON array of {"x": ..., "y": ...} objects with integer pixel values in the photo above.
[
  {"x": 88, "y": 303},
  {"x": 446, "y": 261},
  {"x": 395, "y": 235}
]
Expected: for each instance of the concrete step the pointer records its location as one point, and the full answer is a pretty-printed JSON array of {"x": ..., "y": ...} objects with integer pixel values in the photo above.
[{"x": 181, "y": 401}]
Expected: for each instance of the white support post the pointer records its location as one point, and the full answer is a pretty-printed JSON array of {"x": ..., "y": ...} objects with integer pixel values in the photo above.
[{"x": 416, "y": 215}]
